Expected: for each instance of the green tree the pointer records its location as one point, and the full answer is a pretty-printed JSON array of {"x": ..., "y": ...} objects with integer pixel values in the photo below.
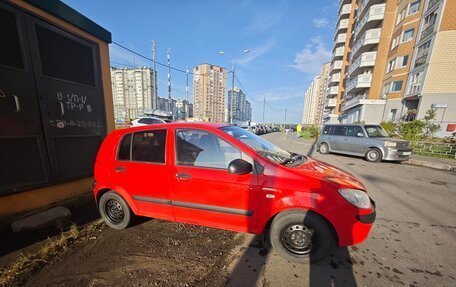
[
  {"x": 389, "y": 127},
  {"x": 411, "y": 130},
  {"x": 430, "y": 128}
]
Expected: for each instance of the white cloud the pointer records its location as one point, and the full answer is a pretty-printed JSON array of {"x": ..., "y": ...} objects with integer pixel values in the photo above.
[
  {"x": 310, "y": 59},
  {"x": 320, "y": 22}
]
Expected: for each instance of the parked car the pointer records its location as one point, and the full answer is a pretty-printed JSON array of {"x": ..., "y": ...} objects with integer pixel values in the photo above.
[
  {"x": 226, "y": 177},
  {"x": 147, "y": 121},
  {"x": 368, "y": 141}
]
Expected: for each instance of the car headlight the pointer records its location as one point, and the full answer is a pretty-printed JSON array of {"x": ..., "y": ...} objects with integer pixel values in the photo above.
[
  {"x": 358, "y": 198},
  {"x": 390, "y": 144}
]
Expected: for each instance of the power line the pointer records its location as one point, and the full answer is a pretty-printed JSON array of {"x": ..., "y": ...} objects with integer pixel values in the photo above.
[{"x": 152, "y": 60}]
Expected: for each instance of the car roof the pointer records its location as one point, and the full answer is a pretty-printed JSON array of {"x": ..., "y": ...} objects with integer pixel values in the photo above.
[{"x": 175, "y": 125}]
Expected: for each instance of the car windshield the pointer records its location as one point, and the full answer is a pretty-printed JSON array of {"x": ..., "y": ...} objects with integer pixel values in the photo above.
[
  {"x": 259, "y": 144},
  {"x": 376, "y": 132}
]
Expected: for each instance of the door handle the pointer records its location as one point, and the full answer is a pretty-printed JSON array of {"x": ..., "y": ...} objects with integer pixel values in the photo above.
[
  {"x": 62, "y": 109},
  {"x": 18, "y": 105},
  {"x": 120, "y": 169},
  {"x": 183, "y": 176}
]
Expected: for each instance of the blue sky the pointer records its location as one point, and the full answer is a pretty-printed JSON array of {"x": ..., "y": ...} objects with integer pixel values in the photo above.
[{"x": 289, "y": 40}]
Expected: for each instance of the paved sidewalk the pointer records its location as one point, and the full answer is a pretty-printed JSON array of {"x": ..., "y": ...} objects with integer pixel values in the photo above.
[{"x": 417, "y": 160}]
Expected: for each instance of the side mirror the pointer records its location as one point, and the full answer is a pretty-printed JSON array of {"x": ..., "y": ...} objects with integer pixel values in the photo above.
[
  {"x": 360, "y": 135},
  {"x": 240, "y": 166}
]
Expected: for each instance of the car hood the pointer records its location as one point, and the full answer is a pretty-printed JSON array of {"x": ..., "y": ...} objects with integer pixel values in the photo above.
[{"x": 327, "y": 172}]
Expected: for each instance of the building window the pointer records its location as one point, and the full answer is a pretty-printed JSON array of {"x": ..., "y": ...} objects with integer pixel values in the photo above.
[
  {"x": 392, "y": 115},
  {"x": 400, "y": 17},
  {"x": 415, "y": 83},
  {"x": 407, "y": 35},
  {"x": 391, "y": 65},
  {"x": 395, "y": 42},
  {"x": 402, "y": 61},
  {"x": 396, "y": 86},
  {"x": 413, "y": 7}
]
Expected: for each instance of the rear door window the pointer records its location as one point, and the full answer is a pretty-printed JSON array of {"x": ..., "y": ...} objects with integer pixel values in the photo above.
[
  {"x": 149, "y": 146},
  {"x": 353, "y": 131},
  {"x": 339, "y": 130}
]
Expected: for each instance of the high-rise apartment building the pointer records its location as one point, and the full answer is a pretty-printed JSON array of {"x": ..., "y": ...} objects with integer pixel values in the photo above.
[
  {"x": 393, "y": 57},
  {"x": 315, "y": 98},
  {"x": 133, "y": 91},
  {"x": 209, "y": 93},
  {"x": 242, "y": 110}
]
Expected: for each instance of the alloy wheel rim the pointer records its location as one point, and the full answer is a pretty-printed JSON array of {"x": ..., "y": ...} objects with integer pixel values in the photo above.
[
  {"x": 373, "y": 155},
  {"x": 114, "y": 211},
  {"x": 298, "y": 239}
]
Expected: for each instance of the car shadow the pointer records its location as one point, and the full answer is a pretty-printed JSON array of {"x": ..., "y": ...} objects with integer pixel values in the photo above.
[{"x": 335, "y": 270}]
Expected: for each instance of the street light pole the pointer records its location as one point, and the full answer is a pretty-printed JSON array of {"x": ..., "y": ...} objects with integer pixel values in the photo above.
[{"x": 233, "y": 67}]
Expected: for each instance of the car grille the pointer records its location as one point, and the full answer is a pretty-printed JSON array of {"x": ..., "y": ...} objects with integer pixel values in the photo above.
[{"x": 402, "y": 145}]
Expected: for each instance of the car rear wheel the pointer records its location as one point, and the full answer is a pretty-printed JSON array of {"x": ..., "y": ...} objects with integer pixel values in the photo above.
[
  {"x": 114, "y": 210},
  {"x": 300, "y": 236},
  {"x": 373, "y": 155},
  {"x": 323, "y": 148}
]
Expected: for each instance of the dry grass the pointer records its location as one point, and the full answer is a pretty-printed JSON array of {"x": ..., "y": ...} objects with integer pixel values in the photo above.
[{"x": 26, "y": 264}]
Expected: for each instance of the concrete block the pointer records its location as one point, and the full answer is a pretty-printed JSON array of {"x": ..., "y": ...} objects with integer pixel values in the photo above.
[{"x": 41, "y": 220}]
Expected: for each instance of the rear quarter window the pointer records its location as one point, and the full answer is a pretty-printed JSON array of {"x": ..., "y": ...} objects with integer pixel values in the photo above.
[
  {"x": 326, "y": 130},
  {"x": 124, "y": 148}
]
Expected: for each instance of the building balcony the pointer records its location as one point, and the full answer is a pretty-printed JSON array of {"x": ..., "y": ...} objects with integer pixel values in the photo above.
[
  {"x": 342, "y": 24},
  {"x": 362, "y": 8},
  {"x": 365, "y": 42},
  {"x": 366, "y": 59},
  {"x": 341, "y": 38},
  {"x": 427, "y": 31},
  {"x": 333, "y": 90},
  {"x": 432, "y": 4},
  {"x": 335, "y": 78},
  {"x": 331, "y": 103},
  {"x": 359, "y": 82},
  {"x": 374, "y": 14},
  {"x": 337, "y": 65},
  {"x": 344, "y": 9},
  {"x": 338, "y": 52}
]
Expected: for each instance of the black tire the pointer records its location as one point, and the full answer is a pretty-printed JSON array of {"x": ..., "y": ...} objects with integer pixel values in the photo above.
[
  {"x": 373, "y": 155},
  {"x": 115, "y": 211},
  {"x": 311, "y": 242},
  {"x": 323, "y": 148}
]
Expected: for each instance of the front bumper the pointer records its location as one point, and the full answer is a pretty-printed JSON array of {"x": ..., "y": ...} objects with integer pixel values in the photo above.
[
  {"x": 355, "y": 226},
  {"x": 397, "y": 154}
]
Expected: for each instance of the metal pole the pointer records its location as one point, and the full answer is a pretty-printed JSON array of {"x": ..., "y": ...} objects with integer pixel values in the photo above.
[
  {"x": 232, "y": 94},
  {"x": 285, "y": 115},
  {"x": 264, "y": 103},
  {"x": 169, "y": 82}
]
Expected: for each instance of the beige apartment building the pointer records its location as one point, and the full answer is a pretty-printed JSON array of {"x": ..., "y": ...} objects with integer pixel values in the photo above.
[
  {"x": 209, "y": 93},
  {"x": 404, "y": 35},
  {"x": 394, "y": 56},
  {"x": 315, "y": 98},
  {"x": 339, "y": 60},
  {"x": 432, "y": 80}
]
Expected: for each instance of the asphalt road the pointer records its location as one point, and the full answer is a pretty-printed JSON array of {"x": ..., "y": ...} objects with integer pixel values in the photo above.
[{"x": 413, "y": 241}]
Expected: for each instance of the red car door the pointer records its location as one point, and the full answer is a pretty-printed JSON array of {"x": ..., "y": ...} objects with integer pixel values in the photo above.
[
  {"x": 202, "y": 190},
  {"x": 142, "y": 170}
]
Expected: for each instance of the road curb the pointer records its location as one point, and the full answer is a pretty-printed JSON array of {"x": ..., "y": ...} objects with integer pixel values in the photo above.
[{"x": 438, "y": 166}]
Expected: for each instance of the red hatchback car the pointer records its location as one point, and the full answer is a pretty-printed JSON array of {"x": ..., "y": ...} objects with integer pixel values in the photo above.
[{"x": 226, "y": 177}]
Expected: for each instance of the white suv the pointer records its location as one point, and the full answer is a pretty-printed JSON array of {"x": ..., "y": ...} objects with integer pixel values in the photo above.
[{"x": 147, "y": 121}]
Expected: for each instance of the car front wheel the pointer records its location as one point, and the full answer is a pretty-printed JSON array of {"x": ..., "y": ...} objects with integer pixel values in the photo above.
[
  {"x": 114, "y": 210},
  {"x": 373, "y": 155},
  {"x": 323, "y": 148},
  {"x": 300, "y": 236}
]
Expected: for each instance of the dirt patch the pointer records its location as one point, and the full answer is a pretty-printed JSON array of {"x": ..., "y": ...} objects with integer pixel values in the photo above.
[{"x": 153, "y": 253}]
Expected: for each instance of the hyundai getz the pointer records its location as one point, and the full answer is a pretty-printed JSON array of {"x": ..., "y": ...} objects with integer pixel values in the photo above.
[{"x": 225, "y": 177}]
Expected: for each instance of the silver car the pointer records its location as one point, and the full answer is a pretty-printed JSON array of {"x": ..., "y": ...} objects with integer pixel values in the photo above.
[{"x": 368, "y": 141}]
